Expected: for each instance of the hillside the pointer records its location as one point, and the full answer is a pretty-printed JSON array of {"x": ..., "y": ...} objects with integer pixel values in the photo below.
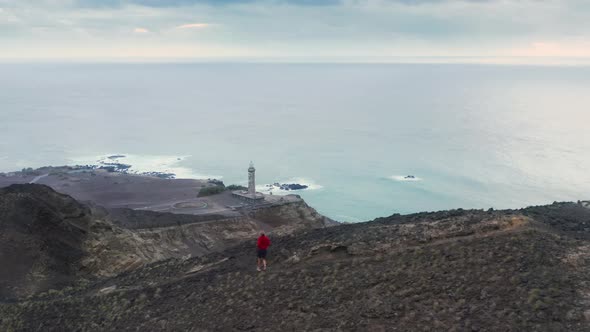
[
  {"x": 460, "y": 270},
  {"x": 41, "y": 236},
  {"x": 50, "y": 241}
]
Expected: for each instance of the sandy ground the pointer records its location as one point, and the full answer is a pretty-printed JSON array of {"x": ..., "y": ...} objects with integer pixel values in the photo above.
[{"x": 118, "y": 190}]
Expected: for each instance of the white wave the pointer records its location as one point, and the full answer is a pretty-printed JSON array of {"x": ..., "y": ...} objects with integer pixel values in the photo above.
[
  {"x": 145, "y": 164},
  {"x": 268, "y": 188},
  {"x": 311, "y": 185},
  {"x": 405, "y": 178}
]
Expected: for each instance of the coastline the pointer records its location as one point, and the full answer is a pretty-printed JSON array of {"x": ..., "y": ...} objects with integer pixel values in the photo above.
[{"x": 113, "y": 186}]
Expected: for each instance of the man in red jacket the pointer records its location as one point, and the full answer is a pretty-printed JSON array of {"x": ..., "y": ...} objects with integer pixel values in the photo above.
[{"x": 262, "y": 245}]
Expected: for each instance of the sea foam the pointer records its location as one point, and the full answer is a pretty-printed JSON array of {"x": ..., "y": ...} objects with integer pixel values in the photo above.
[
  {"x": 404, "y": 178},
  {"x": 140, "y": 164},
  {"x": 268, "y": 188}
]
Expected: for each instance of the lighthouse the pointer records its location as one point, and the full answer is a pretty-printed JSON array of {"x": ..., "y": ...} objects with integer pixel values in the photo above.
[
  {"x": 250, "y": 195},
  {"x": 252, "y": 180}
]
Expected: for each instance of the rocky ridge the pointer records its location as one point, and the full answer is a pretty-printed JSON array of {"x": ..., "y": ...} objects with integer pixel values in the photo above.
[
  {"x": 50, "y": 241},
  {"x": 458, "y": 270}
]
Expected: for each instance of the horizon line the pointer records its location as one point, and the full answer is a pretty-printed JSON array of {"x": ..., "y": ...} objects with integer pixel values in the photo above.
[{"x": 538, "y": 60}]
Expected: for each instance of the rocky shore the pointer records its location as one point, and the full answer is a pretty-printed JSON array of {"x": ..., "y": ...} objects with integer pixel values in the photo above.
[
  {"x": 286, "y": 186},
  {"x": 111, "y": 186}
]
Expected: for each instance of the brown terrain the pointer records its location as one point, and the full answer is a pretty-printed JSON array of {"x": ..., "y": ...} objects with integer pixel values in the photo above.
[
  {"x": 49, "y": 239},
  {"x": 139, "y": 192},
  {"x": 75, "y": 267}
]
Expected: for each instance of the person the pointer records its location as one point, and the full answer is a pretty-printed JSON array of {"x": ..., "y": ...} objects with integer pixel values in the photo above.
[{"x": 262, "y": 246}]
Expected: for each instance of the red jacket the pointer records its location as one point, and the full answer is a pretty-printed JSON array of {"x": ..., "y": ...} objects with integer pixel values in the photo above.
[{"x": 263, "y": 242}]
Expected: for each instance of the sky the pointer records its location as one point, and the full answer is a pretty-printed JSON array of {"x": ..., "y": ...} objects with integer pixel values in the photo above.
[{"x": 295, "y": 29}]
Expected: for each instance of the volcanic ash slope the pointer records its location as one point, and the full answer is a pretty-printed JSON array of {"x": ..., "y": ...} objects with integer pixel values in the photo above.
[{"x": 521, "y": 270}]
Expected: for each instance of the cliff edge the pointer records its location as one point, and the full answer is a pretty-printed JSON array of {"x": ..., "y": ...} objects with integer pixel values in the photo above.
[
  {"x": 49, "y": 240},
  {"x": 458, "y": 270}
]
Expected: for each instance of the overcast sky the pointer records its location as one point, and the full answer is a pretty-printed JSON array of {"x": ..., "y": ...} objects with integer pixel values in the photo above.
[{"x": 167, "y": 29}]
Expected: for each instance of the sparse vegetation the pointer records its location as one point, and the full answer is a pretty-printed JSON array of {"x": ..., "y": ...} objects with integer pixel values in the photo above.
[
  {"x": 456, "y": 270},
  {"x": 218, "y": 189},
  {"x": 233, "y": 187},
  {"x": 209, "y": 191}
]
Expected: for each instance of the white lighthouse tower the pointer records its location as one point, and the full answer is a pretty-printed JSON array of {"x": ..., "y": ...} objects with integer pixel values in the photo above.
[
  {"x": 250, "y": 195},
  {"x": 252, "y": 180}
]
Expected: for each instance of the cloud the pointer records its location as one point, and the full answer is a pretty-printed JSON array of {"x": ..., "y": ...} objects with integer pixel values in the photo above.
[
  {"x": 315, "y": 3},
  {"x": 275, "y": 28},
  {"x": 565, "y": 48},
  {"x": 179, "y": 3},
  {"x": 193, "y": 26}
]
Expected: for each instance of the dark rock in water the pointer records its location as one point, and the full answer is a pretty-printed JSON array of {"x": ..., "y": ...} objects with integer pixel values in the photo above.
[
  {"x": 125, "y": 169},
  {"x": 293, "y": 186},
  {"x": 110, "y": 169},
  {"x": 115, "y": 167},
  {"x": 83, "y": 167},
  {"x": 287, "y": 186},
  {"x": 117, "y": 156},
  {"x": 409, "y": 177}
]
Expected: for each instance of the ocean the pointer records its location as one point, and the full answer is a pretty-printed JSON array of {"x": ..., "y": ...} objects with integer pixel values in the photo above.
[{"x": 472, "y": 136}]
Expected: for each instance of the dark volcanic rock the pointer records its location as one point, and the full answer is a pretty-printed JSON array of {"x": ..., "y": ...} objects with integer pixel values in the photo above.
[
  {"x": 49, "y": 241},
  {"x": 293, "y": 186},
  {"x": 141, "y": 219},
  {"x": 115, "y": 167},
  {"x": 460, "y": 270},
  {"x": 287, "y": 186},
  {"x": 41, "y": 233},
  {"x": 567, "y": 217}
]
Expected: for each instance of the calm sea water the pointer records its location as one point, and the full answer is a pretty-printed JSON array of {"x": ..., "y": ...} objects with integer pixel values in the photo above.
[{"x": 475, "y": 136}]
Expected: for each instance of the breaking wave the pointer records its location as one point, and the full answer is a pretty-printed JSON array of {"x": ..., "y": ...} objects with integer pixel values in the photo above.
[
  {"x": 271, "y": 188},
  {"x": 145, "y": 164}
]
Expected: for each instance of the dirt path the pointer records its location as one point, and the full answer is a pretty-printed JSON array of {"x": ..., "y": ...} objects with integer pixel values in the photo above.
[{"x": 37, "y": 178}]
